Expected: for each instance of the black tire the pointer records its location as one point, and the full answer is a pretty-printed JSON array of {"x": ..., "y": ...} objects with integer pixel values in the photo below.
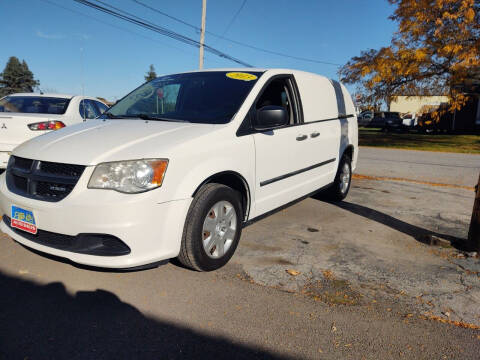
[
  {"x": 336, "y": 192},
  {"x": 192, "y": 252}
]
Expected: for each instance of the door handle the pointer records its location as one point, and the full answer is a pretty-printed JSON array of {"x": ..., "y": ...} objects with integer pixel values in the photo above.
[
  {"x": 301, "y": 137},
  {"x": 314, "y": 134}
]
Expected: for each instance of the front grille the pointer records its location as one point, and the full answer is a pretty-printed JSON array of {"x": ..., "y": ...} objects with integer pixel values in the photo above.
[
  {"x": 61, "y": 169},
  {"x": 42, "y": 180}
]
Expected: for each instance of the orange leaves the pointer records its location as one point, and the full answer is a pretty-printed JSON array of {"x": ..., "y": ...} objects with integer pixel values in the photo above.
[
  {"x": 420, "y": 54},
  {"x": 432, "y": 52},
  {"x": 451, "y": 322},
  {"x": 470, "y": 15},
  {"x": 293, "y": 272}
]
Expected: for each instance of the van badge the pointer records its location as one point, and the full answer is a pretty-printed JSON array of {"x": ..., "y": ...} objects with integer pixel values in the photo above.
[
  {"x": 3, "y": 126},
  {"x": 57, "y": 188}
]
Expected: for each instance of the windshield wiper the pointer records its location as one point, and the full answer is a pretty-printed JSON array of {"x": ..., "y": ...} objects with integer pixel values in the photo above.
[
  {"x": 156, "y": 118},
  {"x": 111, "y": 116}
]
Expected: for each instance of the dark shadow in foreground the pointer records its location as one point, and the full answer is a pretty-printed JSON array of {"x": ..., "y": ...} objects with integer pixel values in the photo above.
[
  {"x": 45, "y": 322},
  {"x": 418, "y": 233}
]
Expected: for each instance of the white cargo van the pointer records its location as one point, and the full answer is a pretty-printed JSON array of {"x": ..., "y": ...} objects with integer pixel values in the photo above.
[{"x": 178, "y": 166}]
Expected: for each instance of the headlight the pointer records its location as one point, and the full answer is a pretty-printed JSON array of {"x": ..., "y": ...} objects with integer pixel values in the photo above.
[{"x": 129, "y": 176}]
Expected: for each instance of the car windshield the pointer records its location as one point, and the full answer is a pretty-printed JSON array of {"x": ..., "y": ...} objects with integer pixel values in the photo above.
[
  {"x": 211, "y": 97},
  {"x": 34, "y": 104},
  {"x": 392, "y": 115}
]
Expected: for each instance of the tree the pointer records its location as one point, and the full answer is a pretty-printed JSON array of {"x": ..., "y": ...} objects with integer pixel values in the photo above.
[
  {"x": 151, "y": 74},
  {"x": 16, "y": 77},
  {"x": 435, "y": 51}
]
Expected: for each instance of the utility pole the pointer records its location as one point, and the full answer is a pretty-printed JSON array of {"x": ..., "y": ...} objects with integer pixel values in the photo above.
[
  {"x": 202, "y": 33},
  {"x": 474, "y": 233}
]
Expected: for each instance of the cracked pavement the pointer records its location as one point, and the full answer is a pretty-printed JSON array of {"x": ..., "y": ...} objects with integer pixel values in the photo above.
[{"x": 371, "y": 244}]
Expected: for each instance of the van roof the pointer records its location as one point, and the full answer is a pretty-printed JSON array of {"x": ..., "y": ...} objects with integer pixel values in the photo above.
[{"x": 244, "y": 69}]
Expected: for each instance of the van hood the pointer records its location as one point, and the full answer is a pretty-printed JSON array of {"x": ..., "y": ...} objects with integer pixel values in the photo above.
[{"x": 97, "y": 141}]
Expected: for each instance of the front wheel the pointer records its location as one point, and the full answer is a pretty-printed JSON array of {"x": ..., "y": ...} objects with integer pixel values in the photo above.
[
  {"x": 212, "y": 228},
  {"x": 341, "y": 185}
]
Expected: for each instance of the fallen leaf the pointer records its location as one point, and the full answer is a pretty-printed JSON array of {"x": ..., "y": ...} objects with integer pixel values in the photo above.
[
  {"x": 327, "y": 274},
  {"x": 408, "y": 315},
  {"x": 334, "y": 328},
  {"x": 23, "y": 272},
  {"x": 293, "y": 272}
]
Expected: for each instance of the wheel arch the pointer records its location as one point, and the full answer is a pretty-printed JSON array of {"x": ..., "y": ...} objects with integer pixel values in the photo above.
[
  {"x": 234, "y": 180},
  {"x": 349, "y": 150}
]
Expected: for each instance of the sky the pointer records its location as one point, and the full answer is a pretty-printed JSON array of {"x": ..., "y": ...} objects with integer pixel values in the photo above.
[{"x": 69, "y": 46}]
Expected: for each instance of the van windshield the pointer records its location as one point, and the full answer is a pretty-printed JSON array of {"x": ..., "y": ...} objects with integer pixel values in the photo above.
[
  {"x": 211, "y": 97},
  {"x": 34, "y": 104}
]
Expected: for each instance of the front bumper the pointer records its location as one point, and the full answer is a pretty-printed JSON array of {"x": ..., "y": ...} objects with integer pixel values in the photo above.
[{"x": 151, "y": 230}]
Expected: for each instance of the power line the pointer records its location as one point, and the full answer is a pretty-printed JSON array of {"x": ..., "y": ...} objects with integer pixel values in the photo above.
[
  {"x": 158, "y": 29},
  {"x": 234, "y": 18},
  {"x": 103, "y": 22},
  {"x": 196, "y": 28}
]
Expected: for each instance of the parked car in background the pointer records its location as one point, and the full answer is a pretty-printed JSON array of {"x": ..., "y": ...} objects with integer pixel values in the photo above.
[
  {"x": 410, "y": 120},
  {"x": 24, "y": 116},
  {"x": 179, "y": 166},
  {"x": 385, "y": 120},
  {"x": 365, "y": 117}
]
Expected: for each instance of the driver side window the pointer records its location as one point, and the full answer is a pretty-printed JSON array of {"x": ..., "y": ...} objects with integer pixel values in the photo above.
[{"x": 278, "y": 93}]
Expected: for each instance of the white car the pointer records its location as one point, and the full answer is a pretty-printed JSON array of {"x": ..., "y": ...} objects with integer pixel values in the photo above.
[
  {"x": 24, "y": 116},
  {"x": 178, "y": 166},
  {"x": 410, "y": 120}
]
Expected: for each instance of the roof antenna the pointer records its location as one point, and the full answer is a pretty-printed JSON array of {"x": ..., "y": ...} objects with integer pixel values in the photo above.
[{"x": 83, "y": 84}]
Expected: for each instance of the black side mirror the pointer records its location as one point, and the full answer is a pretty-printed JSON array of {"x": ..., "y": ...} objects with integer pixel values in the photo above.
[{"x": 270, "y": 117}]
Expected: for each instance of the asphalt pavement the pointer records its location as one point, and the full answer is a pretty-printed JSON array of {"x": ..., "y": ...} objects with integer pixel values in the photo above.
[
  {"x": 314, "y": 281},
  {"x": 436, "y": 167}
]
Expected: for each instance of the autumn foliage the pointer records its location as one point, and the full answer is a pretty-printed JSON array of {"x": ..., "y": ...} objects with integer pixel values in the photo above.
[{"x": 436, "y": 50}]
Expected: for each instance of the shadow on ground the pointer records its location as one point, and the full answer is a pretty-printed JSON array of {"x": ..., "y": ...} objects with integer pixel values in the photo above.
[
  {"x": 45, "y": 322},
  {"x": 418, "y": 233}
]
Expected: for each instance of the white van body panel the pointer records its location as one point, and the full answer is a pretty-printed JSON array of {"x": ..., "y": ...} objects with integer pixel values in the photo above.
[{"x": 275, "y": 167}]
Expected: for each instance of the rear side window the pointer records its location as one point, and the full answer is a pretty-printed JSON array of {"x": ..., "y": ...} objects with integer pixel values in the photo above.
[
  {"x": 101, "y": 107},
  {"x": 34, "y": 104},
  {"x": 88, "y": 110}
]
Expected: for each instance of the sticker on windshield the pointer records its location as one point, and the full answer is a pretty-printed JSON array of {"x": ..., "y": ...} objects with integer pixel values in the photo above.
[{"x": 241, "y": 76}]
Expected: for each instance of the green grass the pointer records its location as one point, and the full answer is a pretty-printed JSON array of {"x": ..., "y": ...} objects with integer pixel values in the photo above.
[{"x": 415, "y": 141}]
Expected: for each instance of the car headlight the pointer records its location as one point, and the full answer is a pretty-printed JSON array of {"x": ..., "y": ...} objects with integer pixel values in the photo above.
[{"x": 133, "y": 176}]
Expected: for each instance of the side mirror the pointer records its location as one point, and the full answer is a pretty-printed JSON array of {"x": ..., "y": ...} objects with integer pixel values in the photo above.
[{"x": 270, "y": 117}]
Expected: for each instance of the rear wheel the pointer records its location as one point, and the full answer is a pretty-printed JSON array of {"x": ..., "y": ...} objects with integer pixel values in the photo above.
[
  {"x": 341, "y": 185},
  {"x": 212, "y": 228}
]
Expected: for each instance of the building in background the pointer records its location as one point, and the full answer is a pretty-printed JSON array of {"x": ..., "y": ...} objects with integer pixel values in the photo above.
[
  {"x": 414, "y": 104},
  {"x": 466, "y": 119}
]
